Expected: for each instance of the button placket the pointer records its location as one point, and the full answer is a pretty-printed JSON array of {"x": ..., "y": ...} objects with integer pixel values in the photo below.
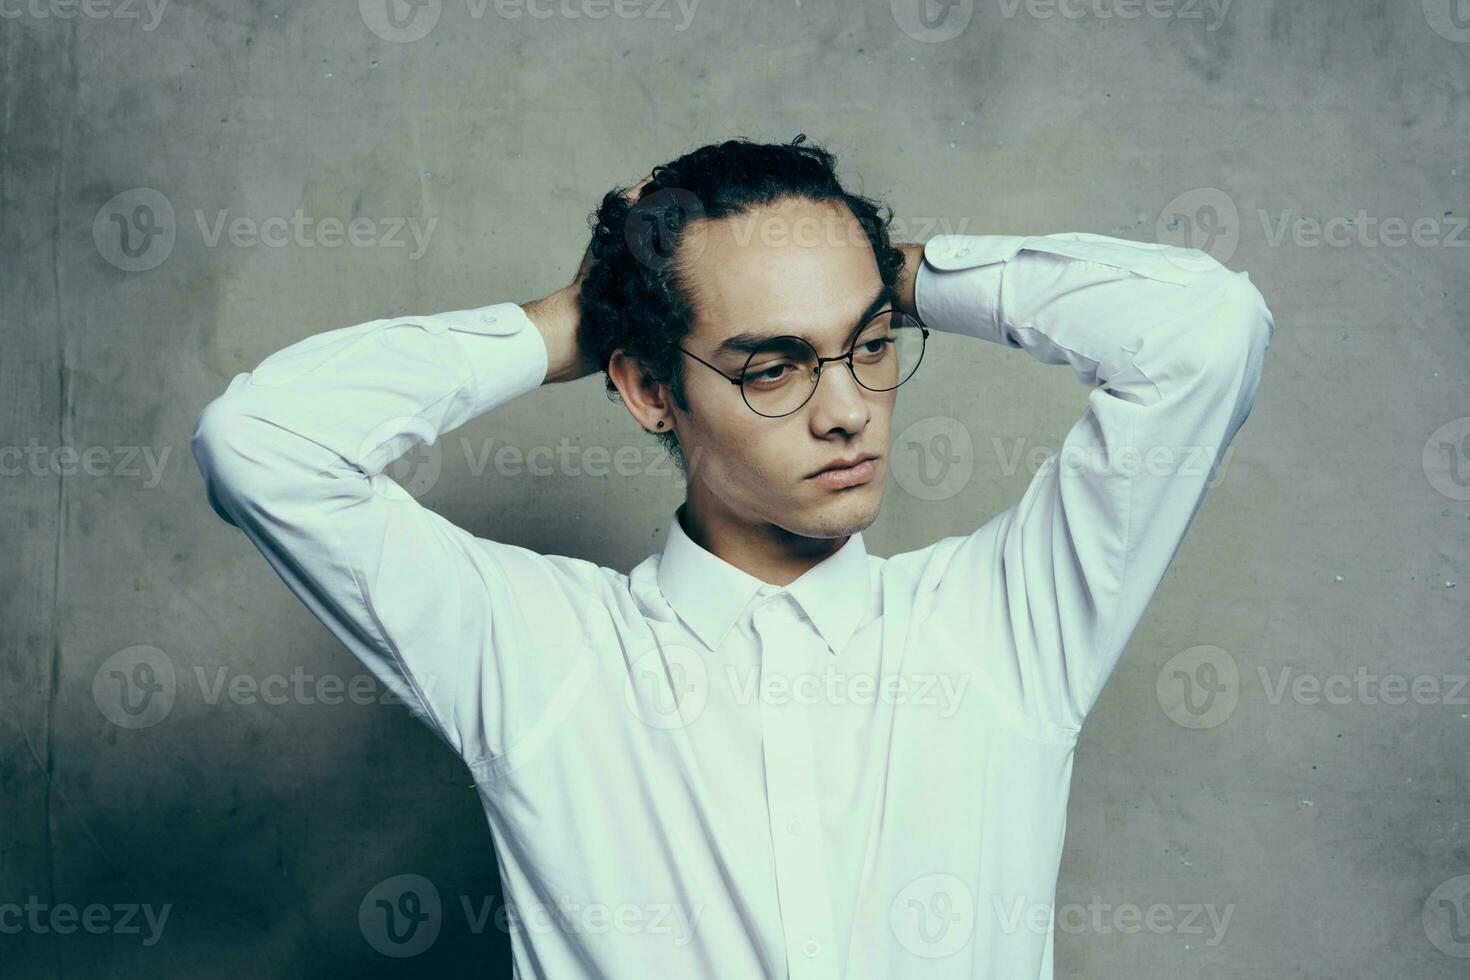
[{"x": 786, "y": 649}]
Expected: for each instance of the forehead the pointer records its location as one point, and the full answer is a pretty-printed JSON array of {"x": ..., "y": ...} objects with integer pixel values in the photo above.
[{"x": 792, "y": 267}]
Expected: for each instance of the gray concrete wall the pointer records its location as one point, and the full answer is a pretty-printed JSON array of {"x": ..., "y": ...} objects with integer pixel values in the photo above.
[{"x": 1331, "y": 826}]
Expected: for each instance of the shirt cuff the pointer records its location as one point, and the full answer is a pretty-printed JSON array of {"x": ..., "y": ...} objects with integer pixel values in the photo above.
[
  {"x": 957, "y": 287},
  {"x": 505, "y": 353}
]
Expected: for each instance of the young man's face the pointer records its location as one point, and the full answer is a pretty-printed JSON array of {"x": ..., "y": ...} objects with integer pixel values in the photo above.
[{"x": 796, "y": 268}]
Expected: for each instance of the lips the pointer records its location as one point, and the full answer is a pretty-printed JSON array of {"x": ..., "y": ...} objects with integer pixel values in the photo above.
[
  {"x": 841, "y": 477},
  {"x": 843, "y": 464}
]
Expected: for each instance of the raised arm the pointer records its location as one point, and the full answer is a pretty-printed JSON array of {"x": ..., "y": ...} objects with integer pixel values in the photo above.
[
  {"x": 1172, "y": 344},
  {"x": 294, "y": 452}
]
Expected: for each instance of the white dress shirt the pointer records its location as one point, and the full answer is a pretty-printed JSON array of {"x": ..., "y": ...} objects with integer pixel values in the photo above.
[{"x": 689, "y": 773}]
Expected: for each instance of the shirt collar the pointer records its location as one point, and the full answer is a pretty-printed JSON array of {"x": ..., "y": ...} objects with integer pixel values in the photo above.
[{"x": 709, "y": 593}]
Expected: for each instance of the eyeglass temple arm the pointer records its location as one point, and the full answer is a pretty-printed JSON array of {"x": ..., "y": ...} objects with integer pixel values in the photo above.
[{"x": 733, "y": 381}]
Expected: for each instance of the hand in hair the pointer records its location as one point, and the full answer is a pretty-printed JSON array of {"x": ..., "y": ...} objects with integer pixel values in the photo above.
[{"x": 557, "y": 317}]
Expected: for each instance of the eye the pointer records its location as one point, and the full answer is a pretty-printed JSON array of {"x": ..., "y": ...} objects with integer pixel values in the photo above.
[{"x": 767, "y": 375}]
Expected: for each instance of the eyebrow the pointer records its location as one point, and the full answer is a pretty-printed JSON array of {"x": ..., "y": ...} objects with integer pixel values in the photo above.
[{"x": 747, "y": 342}]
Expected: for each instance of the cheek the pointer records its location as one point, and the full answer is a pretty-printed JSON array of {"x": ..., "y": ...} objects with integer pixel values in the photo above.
[{"x": 758, "y": 459}]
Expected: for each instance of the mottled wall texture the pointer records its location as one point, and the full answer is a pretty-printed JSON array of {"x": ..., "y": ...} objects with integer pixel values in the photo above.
[{"x": 196, "y": 780}]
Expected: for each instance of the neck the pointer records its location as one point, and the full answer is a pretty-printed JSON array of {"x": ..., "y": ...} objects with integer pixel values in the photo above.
[{"x": 758, "y": 548}]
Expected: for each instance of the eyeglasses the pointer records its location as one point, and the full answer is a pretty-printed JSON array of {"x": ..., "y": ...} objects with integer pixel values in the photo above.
[{"x": 782, "y": 374}]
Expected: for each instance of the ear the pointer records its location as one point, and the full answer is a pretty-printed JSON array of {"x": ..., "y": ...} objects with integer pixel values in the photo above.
[{"x": 647, "y": 399}]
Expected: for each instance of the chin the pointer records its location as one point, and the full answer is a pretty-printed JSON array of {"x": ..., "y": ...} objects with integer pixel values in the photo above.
[{"x": 845, "y": 512}]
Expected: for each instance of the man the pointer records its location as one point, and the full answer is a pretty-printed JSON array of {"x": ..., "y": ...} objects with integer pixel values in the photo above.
[{"x": 764, "y": 751}]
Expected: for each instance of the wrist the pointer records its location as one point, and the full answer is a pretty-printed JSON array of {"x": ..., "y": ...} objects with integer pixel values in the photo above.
[
  {"x": 913, "y": 255},
  {"x": 557, "y": 317}
]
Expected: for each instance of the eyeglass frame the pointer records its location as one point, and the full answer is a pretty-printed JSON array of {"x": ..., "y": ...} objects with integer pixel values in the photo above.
[{"x": 851, "y": 351}]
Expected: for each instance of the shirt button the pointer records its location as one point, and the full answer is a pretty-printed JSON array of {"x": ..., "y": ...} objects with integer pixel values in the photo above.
[
  {"x": 963, "y": 251},
  {"x": 794, "y": 828},
  {"x": 488, "y": 317},
  {"x": 810, "y": 948}
]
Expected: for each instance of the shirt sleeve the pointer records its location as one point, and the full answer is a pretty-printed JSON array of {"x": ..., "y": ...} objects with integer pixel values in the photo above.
[
  {"x": 469, "y": 633},
  {"x": 1172, "y": 345}
]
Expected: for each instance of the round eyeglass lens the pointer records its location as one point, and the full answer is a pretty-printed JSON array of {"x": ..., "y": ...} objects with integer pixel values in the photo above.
[
  {"x": 781, "y": 374},
  {"x": 887, "y": 351}
]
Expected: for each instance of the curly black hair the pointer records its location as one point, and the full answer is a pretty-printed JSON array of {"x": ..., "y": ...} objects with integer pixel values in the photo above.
[{"x": 635, "y": 293}]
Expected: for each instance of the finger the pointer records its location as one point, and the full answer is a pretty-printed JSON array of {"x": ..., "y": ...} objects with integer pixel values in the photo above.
[{"x": 637, "y": 188}]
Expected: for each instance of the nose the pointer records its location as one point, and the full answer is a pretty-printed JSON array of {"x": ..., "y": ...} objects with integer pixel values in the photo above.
[{"x": 839, "y": 403}]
